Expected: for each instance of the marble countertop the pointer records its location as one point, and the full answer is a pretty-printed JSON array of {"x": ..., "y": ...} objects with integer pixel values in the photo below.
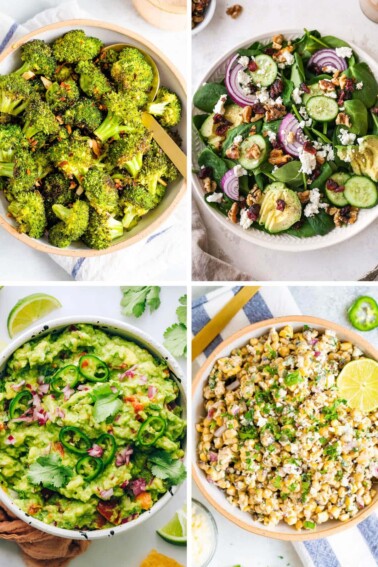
[
  {"x": 347, "y": 261},
  {"x": 19, "y": 262}
]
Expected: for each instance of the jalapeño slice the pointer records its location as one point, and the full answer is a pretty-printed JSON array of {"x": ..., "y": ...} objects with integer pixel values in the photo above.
[
  {"x": 89, "y": 467},
  {"x": 93, "y": 369},
  {"x": 66, "y": 376},
  {"x": 151, "y": 430},
  {"x": 20, "y": 404},
  {"x": 75, "y": 440},
  {"x": 109, "y": 446}
]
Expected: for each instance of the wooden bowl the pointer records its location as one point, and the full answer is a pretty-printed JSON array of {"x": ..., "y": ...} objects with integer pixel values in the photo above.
[
  {"x": 108, "y": 33},
  {"x": 215, "y": 495}
]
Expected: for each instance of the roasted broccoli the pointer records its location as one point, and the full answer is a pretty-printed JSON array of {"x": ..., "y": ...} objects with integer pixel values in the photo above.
[
  {"x": 123, "y": 117},
  {"x": 127, "y": 153},
  {"x": 14, "y": 94},
  {"x": 22, "y": 172},
  {"x": 84, "y": 114},
  {"x": 100, "y": 191},
  {"x": 39, "y": 118},
  {"x": 74, "y": 222},
  {"x": 43, "y": 163},
  {"x": 92, "y": 81},
  {"x": 56, "y": 191},
  {"x": 166, "y": 107},
  {"x": 37, "y": 57},
  {"x": 102, "y": 230},
  {"x": 132, "y": 214},
  {"x": 144, "y": 197},
  {"x": 133, "y": 73},
  {"x": 73, "y": 156},
  {"x": 29, "y": 211},
  {"x": 75, "y": 46},
  {"x": 11, "y": 140},
  {"x": 62, "y": 95}
]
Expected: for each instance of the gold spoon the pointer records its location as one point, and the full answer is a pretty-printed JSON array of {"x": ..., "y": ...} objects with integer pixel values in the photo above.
[{"x": 175, "y": 154}]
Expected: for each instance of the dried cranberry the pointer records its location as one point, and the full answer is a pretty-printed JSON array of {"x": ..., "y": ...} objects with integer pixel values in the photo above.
[
  {"x": 252, "y": 66},
  {"x": 276, "y": 89},
  {"x": 258, "y": 108},
  {"x": 304, "y": 88},
  {"x": 331, "y": 185},
  {"x": 345, "y": 212},
  {"x": 270, "y": 51},
  {"x": 218, "y": 118},
  {"x": 253, "y": 212},
  {"x": 222, "y": 129},
  {"x": 315, "y": 174},
  {"x": 280, "y": 205},
  {"x": 276, "y": 144},
  {"x": 205, "y": 172},
  {"x": 344, "y": 95},
  {"x": 317, "y": 70},
  {"x": 309, "y": 148},
  {"x": 374, "y": 110},
  {"x": 349, "y": 85},
  {"x": 298, "y": 225}
]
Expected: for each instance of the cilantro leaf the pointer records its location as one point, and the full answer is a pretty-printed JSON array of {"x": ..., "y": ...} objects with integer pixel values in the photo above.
[
  {"x": 50, "y": 472},
  {"x": 166, "y": 468},
  {"x": 107, "y": 402},
  {"x": 181, "y": 311},
  {"x": 135, "y": 299},
  {"x": 175, "y": 340}
]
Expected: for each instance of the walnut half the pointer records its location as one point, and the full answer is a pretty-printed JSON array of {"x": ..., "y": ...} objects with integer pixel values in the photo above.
[
  {"x": 233, "y": 213},
  {"x": 209, "y": 185},
  {"x": 277, "y": 157},
  {"x": 234, "y": 11},
  {"x": 345, "y": 215}
]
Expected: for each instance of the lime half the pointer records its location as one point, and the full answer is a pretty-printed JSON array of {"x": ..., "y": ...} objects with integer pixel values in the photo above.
[
  {"x": 176, "y": 530},
  {"x": 358, "y": 384},
  {"x": 30, "y": 309}
]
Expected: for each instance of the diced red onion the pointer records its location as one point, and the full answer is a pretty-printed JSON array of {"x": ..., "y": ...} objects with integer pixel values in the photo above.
[
  {"x": 43, "y": 389},
  {"x": 129, "y": 373},
  {"x": 36, "y": 401},
  {"x": 291, "y": 124},
  {"x": 314, "y": 341},
  {"x": 218, "y": 432},
  {"x": 233, "y": 385},
  {"x": 232, "y": 84},
  {"x": 138, "y": 486},
  {"x": 213, "y": 457},
  {"x": 82, "y": 387},
  {"x": 123, "y": 457},
  {"x": 143, "y": 380},
  {"x": 235, "y": 410},
  {"x": 96, "y": 451},
  {"x": 327, "y": 58},
  {"x": 67, "y": 391},
  {"x": 106, "y": 494},
  {"x": 114, "y": 389},
  {"x": 60, "y": 413},
  {"x": 152, "y": 391},
  {"x": 317, "y": 353},
  {"x": 125, "y": 484},
  {"x": 211, "y": 412}
]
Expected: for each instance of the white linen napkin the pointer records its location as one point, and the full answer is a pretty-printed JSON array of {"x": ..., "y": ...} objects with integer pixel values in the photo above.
[
  {"x": 161, "y": 255},
  {"x": 354, "y": 547}
]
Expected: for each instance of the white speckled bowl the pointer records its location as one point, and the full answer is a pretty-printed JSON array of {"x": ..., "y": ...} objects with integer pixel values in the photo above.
[
  {"x": 208, "y": 17},
  {"x": 280, "y": 241},
  {"x": 128, "y": 332}
]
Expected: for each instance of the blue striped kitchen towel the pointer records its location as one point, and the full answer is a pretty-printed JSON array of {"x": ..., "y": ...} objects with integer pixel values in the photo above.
[
  {"x": 355, "y": 547},
  {"x": 160, "y": 256}
]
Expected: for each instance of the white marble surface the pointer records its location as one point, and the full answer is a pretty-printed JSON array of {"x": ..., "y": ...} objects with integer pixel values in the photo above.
[
  {"x": 19, "y": 262},
  {"x": 128, "y": 549},
  {"x": 347, "y": 261}
]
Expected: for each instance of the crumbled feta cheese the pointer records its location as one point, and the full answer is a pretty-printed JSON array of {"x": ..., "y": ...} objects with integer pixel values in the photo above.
[
  {"x": 359, "y": 141},
  {"x": 244, "y": 80},
  {"x": 219, "y": 107},
  {"x": 303, "y": 112},
  {"x": 359, "y": 85},
  {"x": 330, "y": 94},
  {"x": 296, "y": 95},
  {"x": 263, "y": 95},
  {"x": 278, "y": 100},
  {"x": 244, "y": 61},
  {"x": 344, "y": 51},
  {"x": 312, "y": 208},
  {"x": 215, "y": 198},
  {"x": 286, "y": 59},
  {"x": 272, "y": 136},
  {"x": 239, "y": 170},
  {"x": 237, "y": 140},
  {"x": 274, "y": 168},
  {"x": 245, "y": 221},
  {"x": 346, "y": 138},
  {"x": 325, "y": 151},
  {"x": 308, "y": 162}
]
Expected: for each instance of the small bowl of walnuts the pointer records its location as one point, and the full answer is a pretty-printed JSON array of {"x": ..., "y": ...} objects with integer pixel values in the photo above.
[{"x": 202, "y": 13}]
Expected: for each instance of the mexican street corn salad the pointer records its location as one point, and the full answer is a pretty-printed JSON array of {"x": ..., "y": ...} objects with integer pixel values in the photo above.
[{"x": 279, "y": 439}]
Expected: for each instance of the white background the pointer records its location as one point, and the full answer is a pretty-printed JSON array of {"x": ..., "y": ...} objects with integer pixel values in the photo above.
[
  {"x": 347, "y": 261},
  {"x": 129, "y": 549}
]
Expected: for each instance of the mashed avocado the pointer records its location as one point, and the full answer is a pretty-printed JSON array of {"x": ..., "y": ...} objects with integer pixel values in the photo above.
[{"x": 90, "y": 429}]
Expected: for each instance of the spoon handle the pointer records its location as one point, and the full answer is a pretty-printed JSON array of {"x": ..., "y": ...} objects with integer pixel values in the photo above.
[{"x": 175, "y": 154}]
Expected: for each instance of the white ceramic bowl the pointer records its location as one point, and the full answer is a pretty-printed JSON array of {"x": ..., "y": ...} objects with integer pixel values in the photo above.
[
  {"x": 128, "y": 332},
  {"x": 254, "y": 236},
  {"x": 214, "y": 494},
  {"x": 207, "y": 19},
  {"x": 108, "y": 33}
]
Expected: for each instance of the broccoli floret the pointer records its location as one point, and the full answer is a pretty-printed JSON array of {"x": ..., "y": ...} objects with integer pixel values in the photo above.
[
  {"x": 11, "y": 140},
  {"x": 132, "y": 213},
  {"x": 74, "y": 222},
  {"x": 38, "y": 58},
  {"x": 62, "y": 95},
  {"x": 76, "y": 46},
  {"x": 39, "y": 119},
  {"x": 133, "y": 73},
  {"x": 63, "y": 73},
  {"x": 123, "y": 117},
  {"x": 107, "y": 58},
  {"x": 72, "y": 156},
  {"x": 43, "y": 164},
  {"x": 84, "y": 114},
  {"x": 102, "y": 230},
  {"x": 157, "y": 169},
  {"x": 141, "y": 197},
  {"x": 100, "y": 191},
  {"x": 14, "y": 94},
  {"x": 22, "y": 172},
  {"x": 92, "y": 81},
  {"x": 166, "y": 107},
  {"x": 56, "y": 191},
  {"x": 127, "y": 153},
  {"x": 29, "y": 211}
]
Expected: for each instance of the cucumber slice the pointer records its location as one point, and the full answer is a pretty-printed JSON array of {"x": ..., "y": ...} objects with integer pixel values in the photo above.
[
  {"x": 246, "y": 145},
  {"x": 338, "y": 199},
  {"x": 361, "y": 192},
  {"x": 315, "y": 90},
  {"x": 207, "y": 127},
  {"x": 271, "y": 217},
  {"x": 322, "y": 108},
  {"x": 267, "y": 71}
]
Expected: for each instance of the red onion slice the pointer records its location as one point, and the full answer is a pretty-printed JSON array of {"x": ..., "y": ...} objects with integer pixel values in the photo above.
[
  {"x": 327, "y": 58},
  {"x": 233, "y": 386},
  {"x": 291, "y": 124},
  {"x": 218, "y": 432},
  {"x": 232, "y": 84},
  {"x": 230, "y": 184}
]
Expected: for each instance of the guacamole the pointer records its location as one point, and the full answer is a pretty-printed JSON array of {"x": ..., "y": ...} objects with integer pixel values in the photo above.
[{"x": 90, "y": 429}]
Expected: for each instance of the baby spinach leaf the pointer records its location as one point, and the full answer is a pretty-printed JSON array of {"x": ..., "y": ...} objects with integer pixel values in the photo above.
[
  {"x": 327, "y": 169},
  {"x": 198, "y": 120},
  {"x": 361, "y": 73},
  {"x": 241, "y": 130},
  {"x": 289, "y": 174},
  {"x": 319, "y": 224},
  {"x": 271, "y": 126},
  {"x": 219, "y": 166},
  {"x": 297, "y": 76},
  {"x": 334, "y": 42},
  {"x": 287, "y": 91},
  {"x": 208, "y": 95},
  {"x": 358, "y": 114}
]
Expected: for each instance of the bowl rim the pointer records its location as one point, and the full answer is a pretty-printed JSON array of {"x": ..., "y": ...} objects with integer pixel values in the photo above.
[
  {"x": 208, "y": 17},
  {"x": 149, "y": 343},
  {"x": 201, "y": 375},
  {"x": 300, "y": 245},
  {"x": 181, "y": 189}
]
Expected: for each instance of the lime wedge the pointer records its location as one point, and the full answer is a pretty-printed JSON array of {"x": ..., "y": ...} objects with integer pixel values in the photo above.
[
  {"x": 358, "y": 384},
  {"x": 176, "y": 529},
  {"x": 30, "y": 309}
]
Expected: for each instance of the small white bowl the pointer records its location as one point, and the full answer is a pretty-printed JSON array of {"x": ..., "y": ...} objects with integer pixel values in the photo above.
[
  {"x": 128, "y": 332},
  {"x": 207, "y": 19}
]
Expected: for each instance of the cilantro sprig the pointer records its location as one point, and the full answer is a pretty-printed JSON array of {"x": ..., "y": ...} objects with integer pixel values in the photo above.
[
  {"x": 107, "y": 402},
  {"x": 175, "y": 337},
  {"x": 166, "y": 468},
  {"x": 50, "y": 472},
  {"x": 136, "y": 298}
]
